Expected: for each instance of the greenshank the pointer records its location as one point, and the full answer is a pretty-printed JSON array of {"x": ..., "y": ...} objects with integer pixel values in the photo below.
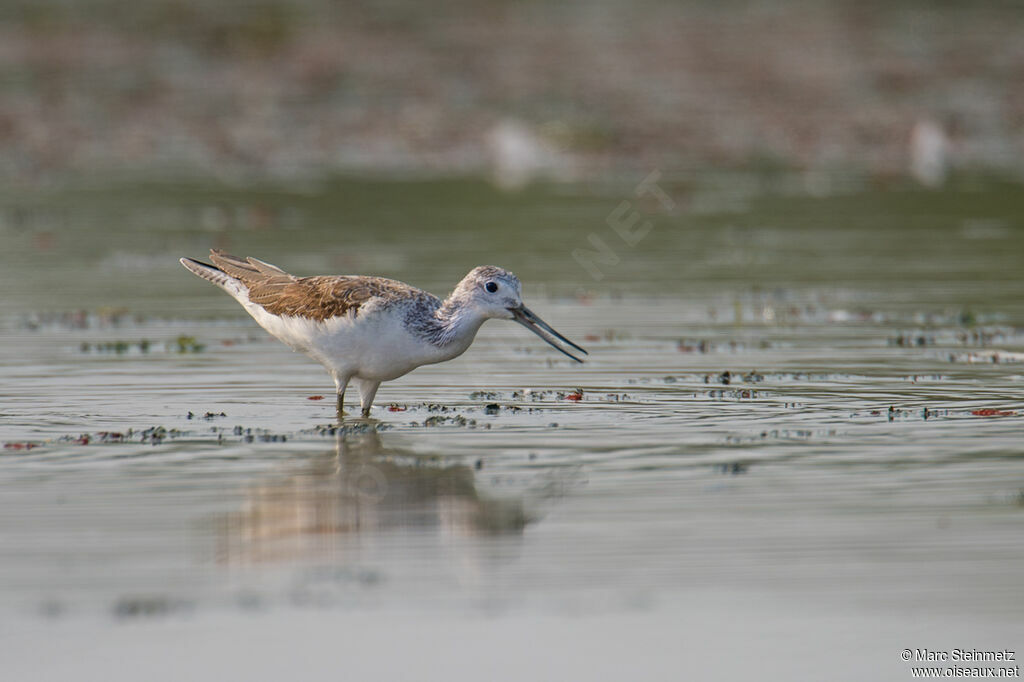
[{"x": 366, "y": 330}]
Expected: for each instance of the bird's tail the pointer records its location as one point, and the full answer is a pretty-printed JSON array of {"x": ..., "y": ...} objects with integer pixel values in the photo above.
[{"x": 212, "y": 273}]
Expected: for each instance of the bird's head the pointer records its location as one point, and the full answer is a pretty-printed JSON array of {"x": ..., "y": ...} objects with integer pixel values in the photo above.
[
  {"x": 491, "y": 291},
  {"x": 495, "y": 293}
]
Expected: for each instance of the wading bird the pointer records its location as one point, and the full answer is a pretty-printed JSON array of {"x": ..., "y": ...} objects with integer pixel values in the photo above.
[{"x": 370, "y": 329}]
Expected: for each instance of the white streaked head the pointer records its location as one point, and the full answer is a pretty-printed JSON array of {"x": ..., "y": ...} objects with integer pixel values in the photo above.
[{"x": 492, "y": 292}]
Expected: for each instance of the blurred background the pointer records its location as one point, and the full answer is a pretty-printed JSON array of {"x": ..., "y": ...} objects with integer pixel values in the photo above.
[
  {"x": 130, "y": 132},
  {"x": 273, "y": 90},
  {"x": 791, "y": 235}
]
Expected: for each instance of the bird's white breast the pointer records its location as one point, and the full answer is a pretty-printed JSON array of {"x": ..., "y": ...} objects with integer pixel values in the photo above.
[{"x": 374, "y": 345}]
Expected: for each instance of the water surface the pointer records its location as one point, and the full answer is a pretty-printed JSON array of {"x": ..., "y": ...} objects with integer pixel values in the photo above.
[{"x": 800, "y": 421}]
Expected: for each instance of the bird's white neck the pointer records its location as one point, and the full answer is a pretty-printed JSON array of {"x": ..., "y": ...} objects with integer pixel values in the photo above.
[
  {"x": 450, "y": 328},
  {"x": 458, "y": 324}
]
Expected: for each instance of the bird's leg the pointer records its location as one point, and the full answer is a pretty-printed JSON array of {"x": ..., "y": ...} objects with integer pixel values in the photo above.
[
  {"x": 341, "y": 383},
  {"x": 367, "y": 390}
]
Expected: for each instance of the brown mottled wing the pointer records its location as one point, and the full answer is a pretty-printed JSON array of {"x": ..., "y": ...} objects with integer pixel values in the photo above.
[{"x": 318, "y": 298}]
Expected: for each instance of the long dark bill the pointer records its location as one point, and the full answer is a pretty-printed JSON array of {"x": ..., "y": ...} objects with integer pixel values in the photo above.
[{"x": 525, "y": 317}]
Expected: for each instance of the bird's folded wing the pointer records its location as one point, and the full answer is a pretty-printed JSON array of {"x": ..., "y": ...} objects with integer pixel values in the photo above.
[{"x": 317, "y": 298}]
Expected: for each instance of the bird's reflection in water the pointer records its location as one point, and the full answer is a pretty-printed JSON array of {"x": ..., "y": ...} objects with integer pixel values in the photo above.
[{"x": 338, "y": 503}]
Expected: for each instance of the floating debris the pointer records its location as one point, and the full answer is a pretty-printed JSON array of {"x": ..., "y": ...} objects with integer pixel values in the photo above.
[
  {"x": 987, "y": 356},
  {"x": 784, "y": 435},
  {"x": 182, "y": 344},
  {"x": 485, "y": 395},
  {"x": 908, "y": 340},
  {"x": 347, "y": 429},
  {"x": 272, "y": 438},
  {"x": 731, "y": 346},
  {"x": 723, "y": 378},
  {"x": 207, "y": 416},
  {"x": 990, "y": 412},
  {"x": 457, "y": 420},
  {"x": 104, "y": 318},
  {"x": 188, "y": 344},
  {"x": 976, "y": 336},
  {"x": 22, "y": 445},
  {"x": 154, "y": 435},
  {"x": 531, "y": 394},
  {"x": 692, "y": 347},
  {"x": 732, "y": 394},
  {"x": 146, "y": 606}
]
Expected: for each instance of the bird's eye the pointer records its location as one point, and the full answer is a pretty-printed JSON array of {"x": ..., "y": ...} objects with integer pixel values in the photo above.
[{"x": 491, "y": 287}]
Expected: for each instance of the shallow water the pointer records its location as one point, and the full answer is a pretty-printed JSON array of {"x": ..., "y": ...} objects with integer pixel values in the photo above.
[{"x": 800, "y": 416}]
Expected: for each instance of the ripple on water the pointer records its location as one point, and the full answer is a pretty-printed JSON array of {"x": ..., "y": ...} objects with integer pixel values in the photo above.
[{"x": 846, "y": 437}]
